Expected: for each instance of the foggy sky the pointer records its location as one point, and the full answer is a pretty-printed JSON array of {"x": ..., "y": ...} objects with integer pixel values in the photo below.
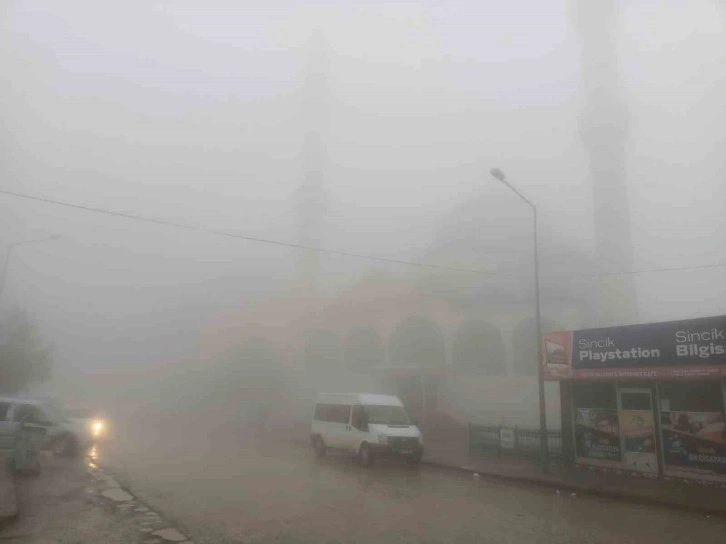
[{"x": 193, "y": 114}]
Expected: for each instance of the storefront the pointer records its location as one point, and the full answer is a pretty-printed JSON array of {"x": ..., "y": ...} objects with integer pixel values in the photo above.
[{"x": 646, "y": 399}]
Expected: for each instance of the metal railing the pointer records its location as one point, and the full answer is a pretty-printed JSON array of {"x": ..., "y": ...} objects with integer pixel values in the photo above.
[{"x": 502, "y": 440}]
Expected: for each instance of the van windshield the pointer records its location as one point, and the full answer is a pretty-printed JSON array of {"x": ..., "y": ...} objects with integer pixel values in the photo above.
[
  {"x": 79, "y": 413},
  {"x": 387, "y": 415}
]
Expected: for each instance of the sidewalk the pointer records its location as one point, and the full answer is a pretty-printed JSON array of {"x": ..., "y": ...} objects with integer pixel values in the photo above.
[
  {"x": 8, "y": 496},
  {"x": 74, "y": 501},
  {"x": 693, "y": 497}
]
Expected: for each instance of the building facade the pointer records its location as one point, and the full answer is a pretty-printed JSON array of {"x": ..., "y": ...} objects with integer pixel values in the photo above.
[{"x": 645, "y": 399}]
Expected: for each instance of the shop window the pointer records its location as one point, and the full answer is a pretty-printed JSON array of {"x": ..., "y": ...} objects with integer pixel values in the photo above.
[
  {"x": 693, "y": 429},
  {"x": 635, "y": 401},
  {"x": 594, "y": 395},
  {"x": 691, "y": 397},
  {"x": 597, "y": 433}
]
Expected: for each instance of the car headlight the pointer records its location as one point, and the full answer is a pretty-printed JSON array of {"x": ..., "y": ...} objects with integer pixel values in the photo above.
[
  {"x": 97, "y": 427},
  {"x": 382, "y": 439}
]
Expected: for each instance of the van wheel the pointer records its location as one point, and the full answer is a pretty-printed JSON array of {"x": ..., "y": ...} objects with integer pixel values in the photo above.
[
  {"x": 319, "y": 446},
  {"x": 414, "y": 461},
  {"x": 365, "y": 457}
]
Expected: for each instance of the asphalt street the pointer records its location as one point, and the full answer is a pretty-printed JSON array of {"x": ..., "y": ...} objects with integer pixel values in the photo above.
[{"x": 221, "y": 485}]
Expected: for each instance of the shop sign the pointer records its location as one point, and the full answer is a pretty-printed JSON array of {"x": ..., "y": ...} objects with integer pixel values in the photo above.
[{"x": 675, "y": 349}]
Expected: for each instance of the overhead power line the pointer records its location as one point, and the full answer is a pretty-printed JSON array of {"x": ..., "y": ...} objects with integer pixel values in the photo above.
[
  {"x": 292, "y": 245},
  {"x": 228, "y": 234}
]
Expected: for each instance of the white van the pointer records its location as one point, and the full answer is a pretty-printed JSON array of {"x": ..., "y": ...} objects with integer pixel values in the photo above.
[{"x": 366, "y": 426}]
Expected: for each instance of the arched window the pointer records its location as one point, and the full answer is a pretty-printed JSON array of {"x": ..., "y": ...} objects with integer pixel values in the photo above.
[
  {"x": 254, "y": 365},
  {"x": 478, "y": 348},
  {"x": 322, "y": 352},
  {"x": 363, "y": 349},
  {"x": 418, "y": 342}
]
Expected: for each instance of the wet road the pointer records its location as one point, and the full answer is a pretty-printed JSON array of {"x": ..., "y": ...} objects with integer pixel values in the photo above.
[{"x": 221, "y": 488}]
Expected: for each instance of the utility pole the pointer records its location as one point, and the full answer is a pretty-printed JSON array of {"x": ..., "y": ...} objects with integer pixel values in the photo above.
[{"x": 543, "y": 445}]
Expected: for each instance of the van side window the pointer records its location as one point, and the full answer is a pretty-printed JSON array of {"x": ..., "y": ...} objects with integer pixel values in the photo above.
[
  {"x": 27, "y": 413},
  {"x": 359, "y": 419},
  {"x": 342, "y": 413},
  {"x": 322, "y": 412},
  {"x": 4, "y": 409},
  {"x": 333, "y": 413}
]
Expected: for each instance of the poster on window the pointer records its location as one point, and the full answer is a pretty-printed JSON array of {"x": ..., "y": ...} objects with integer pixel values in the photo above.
[
  {"x": 597, "y": 434},
  {"x": 694, "y": 444},
  {"x": 639, "y": 440}
]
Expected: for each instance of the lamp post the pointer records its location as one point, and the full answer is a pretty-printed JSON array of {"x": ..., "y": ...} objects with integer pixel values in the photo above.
[
  {"x": 4, "y": 276},
  {"x": 544, "y": 450}
]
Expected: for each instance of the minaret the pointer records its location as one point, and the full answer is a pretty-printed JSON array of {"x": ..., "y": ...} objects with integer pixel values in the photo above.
[
  {"x": 604, "y": 127},
  {"x": 311, "y": 196}
]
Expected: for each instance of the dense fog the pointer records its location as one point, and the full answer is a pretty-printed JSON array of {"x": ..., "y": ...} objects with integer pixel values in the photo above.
[{"x": 175, "y": 153}]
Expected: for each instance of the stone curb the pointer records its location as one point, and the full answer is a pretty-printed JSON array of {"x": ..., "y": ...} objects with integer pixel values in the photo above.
[
  {"x": 8, "y": 496},
  {"x": 152, "y": 527}
]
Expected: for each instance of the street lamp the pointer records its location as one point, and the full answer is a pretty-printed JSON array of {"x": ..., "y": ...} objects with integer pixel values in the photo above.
[
  {"x": 4, "y": 275},
  {"x": 544, "y": 450}
]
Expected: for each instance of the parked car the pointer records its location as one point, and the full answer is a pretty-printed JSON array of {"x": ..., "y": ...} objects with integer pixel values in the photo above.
[
  {"x": 63, "y": 436},
  {"x": 365, "y": 425},
  {"x": 20, "y": 444}
]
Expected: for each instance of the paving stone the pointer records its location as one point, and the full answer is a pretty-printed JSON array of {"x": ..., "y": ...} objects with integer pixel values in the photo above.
[
  {"x": 118, "y": 495},
  {"x": 170, "y": 534}
]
